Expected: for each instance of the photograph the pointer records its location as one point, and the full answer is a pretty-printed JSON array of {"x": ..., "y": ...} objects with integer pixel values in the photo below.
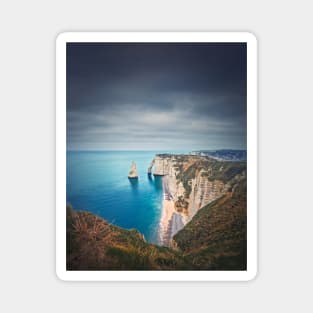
[
  {"x": 148, "y": 151},
  {"x": 155, "y": 159}
]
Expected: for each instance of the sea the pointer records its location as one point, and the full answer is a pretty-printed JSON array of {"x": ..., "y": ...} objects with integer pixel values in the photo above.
[{"x": 96, "y": 181}]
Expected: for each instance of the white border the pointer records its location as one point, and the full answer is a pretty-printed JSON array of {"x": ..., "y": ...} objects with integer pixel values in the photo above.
[{"x": 252, "y": 146}]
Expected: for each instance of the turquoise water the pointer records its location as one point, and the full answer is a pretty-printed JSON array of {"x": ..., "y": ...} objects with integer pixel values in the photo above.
[{"x": 97, "y": 182}]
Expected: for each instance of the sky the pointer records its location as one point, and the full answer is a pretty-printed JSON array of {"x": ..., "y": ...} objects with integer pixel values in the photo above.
[{"x": 156, "y": 96}]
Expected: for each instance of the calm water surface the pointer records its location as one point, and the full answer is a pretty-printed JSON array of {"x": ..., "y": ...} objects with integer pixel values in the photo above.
[{"x": 97, "y": 182}]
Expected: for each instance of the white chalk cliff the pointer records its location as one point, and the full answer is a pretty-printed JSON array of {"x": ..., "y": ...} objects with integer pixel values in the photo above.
[{"x": 195, "y": 181}]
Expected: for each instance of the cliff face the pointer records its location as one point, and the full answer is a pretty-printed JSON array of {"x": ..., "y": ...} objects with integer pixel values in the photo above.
[
  {"x": 203, "y": 192},
  {"x": 161, "y": 164},
  {"x": 195, "y": 181}
]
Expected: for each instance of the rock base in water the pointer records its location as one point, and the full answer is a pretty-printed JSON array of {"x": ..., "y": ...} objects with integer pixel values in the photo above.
[{"x": 133, "y": 173}]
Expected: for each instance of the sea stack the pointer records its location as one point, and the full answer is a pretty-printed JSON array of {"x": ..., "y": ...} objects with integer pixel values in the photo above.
[{"x": 133, "y": 174}]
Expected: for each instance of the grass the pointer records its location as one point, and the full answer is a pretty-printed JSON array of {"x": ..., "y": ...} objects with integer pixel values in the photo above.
[
  {"x": 94, "y": 244},
  {"x": 224, "y": 171},
  {"x": 215, "y": 239}
]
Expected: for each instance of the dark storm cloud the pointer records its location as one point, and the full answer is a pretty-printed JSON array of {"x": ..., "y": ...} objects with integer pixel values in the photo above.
[{"x": 156, "y": 96}]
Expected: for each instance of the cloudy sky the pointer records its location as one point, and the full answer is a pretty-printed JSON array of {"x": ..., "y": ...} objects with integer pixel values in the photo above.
[{"x": 136, "y": 96}]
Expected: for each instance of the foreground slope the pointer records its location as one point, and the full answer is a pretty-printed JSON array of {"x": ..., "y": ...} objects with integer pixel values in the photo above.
[{"x": 94, "y": 244}]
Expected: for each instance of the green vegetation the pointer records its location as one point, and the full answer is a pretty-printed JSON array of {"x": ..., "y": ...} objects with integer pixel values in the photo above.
[
  {"x": 215, "y": 239},
  {"x": 93, "y": 244},
  {"x": 226, "y": 170},
  {"x": 223, "y": 171},
  {"x": 181, "y": 204}
]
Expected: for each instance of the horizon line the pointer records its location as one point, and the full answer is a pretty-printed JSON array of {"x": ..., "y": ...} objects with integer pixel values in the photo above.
[{"x": 181, "y": 150}]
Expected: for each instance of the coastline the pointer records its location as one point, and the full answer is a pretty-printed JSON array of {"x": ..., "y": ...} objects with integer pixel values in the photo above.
[
  {"x": 165, "y": 223},
  {"x": 171, "y": 221}
]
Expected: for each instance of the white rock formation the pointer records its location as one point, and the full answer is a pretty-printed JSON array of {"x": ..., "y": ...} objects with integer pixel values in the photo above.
[
  {"x": 161, "y": 166},
  {"x": 133, "y": 173},
  {"x": 202, "y": 190}
]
